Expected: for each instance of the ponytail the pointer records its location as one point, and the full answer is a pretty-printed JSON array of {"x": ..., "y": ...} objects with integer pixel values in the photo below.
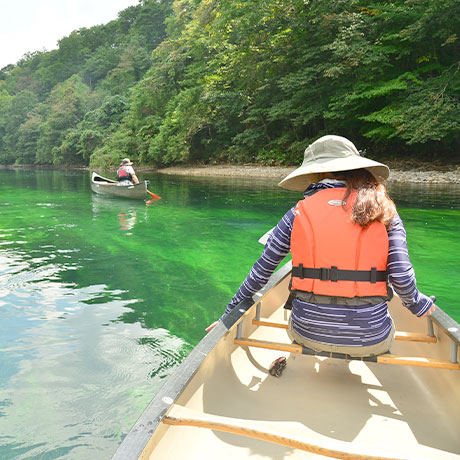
[{"x": 372, "y": 201}]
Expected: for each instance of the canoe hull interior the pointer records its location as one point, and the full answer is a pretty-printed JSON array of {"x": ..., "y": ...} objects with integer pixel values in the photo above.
[
  {"x": 388, "y": 410},
  {"x": 104, "y": 186}
]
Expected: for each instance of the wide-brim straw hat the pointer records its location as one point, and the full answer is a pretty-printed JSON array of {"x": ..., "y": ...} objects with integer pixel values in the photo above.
[
  {"x": 126, "y": 162},
  {"x": 331, "y": 154}
]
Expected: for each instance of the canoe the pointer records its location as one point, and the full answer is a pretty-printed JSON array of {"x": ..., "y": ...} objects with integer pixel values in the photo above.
[
  {"x": 105, "y": 186},
  {"x": 222, "y": 402}
]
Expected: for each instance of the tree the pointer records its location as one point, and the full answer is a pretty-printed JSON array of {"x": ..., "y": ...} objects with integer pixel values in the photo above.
[
  {"x": 101, "y": 62},
  {"x": 66, "y": 106},
  {"x": 28, "y": 135},
  {"x": 240, "y": 81}
]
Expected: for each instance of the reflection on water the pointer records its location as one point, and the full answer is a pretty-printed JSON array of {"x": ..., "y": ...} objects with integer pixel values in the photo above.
[
  {"x": 101, "y": 297},
  {"x": 444, "y": 196},
  {"x": 104, "y": 206},
  {"x": 67, "y": 361},
  {"x": 127, "y": 220}
]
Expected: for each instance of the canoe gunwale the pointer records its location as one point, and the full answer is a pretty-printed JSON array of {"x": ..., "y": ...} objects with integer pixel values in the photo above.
[
  {"x": 447, "y": 324},
  {"x": 139, "y": 435}
]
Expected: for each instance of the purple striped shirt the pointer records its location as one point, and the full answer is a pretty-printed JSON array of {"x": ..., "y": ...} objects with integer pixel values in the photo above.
[{"x": 338, "y": 324}]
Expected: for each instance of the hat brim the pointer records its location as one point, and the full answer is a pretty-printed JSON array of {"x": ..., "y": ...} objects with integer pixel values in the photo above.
[{"x": 301, "y": 178}]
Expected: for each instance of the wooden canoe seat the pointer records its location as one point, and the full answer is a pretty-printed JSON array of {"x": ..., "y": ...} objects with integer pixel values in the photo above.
[
  {"x": 290, "y": 434},
  {"x": 386, "y": 358},
  {"x": 406, "y": 336}
]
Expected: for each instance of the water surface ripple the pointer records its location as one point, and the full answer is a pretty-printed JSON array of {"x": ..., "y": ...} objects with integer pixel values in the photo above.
[{"x": 100, "y": 298}]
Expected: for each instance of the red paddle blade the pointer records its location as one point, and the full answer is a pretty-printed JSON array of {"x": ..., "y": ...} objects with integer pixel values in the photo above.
[{"x": 156, "y": 197}]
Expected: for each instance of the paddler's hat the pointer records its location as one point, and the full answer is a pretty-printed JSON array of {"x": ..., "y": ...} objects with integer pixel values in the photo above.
[
  {"x": 331, "y": 154},
  {"x": 126, "y": 162}
]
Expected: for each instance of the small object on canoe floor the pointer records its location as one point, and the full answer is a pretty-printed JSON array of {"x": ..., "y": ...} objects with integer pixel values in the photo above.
[{"x": 277, "y": 367}]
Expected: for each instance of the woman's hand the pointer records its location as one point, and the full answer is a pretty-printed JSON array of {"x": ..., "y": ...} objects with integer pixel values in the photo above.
[
  {"x": 429, "y": 311},
  {"x": 211, "y": 326}
]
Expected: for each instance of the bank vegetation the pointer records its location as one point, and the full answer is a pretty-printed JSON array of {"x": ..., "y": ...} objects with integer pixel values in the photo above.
[{"x": 239, "y": 81}]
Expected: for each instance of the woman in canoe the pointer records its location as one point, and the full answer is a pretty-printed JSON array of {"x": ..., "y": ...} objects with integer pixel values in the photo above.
[
  {"x": 126, "y": 174},
  {"x": 347, "y": 244}
]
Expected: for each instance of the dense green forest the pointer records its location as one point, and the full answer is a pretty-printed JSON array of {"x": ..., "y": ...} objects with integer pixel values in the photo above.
[{"x": 209, "y": 81}]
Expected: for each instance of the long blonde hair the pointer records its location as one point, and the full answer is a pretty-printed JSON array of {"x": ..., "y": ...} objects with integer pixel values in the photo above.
[{"x": 372, "y": 200}]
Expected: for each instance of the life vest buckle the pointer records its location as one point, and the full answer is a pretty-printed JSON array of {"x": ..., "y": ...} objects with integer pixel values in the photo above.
[
  {"x": 373, "y": 275},
  {"x": 329, "y": 274},
  {"x": 334, "y": 274},
  {"x": 301, "y": 272}
]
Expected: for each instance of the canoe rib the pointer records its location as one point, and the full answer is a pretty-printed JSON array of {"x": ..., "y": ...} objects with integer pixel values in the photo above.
[{"x": 289, "y": 434}]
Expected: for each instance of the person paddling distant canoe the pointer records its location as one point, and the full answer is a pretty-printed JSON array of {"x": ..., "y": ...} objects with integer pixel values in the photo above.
[
  {"x": 125, "y": 173},
  {"x": 347, "y": 244}
]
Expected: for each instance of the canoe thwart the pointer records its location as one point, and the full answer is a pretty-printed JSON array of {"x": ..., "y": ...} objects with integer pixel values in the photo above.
[
  {"x": 290, "y": 434},
  {"x": 386, "y": 358},
  {"x": 399, "y": 335},
  {"x": 415, "y": 337}
]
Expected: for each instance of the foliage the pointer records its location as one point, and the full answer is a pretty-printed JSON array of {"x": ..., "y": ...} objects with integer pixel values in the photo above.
[{"x": 238, "y": 80}]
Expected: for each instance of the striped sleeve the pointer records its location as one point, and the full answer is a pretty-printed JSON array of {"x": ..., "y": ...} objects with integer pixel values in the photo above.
[
  {"x": 275, "y": 250},
  {"x": 401, "y": 272}
]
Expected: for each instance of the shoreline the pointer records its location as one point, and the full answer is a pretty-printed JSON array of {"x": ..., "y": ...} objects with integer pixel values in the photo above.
[{"x": 399, "y": 173}]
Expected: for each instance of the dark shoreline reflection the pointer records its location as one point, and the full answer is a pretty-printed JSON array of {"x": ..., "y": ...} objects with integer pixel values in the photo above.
[{"x": 425, "y": 195}]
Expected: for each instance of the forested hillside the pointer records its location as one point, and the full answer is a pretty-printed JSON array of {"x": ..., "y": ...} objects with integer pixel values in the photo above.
[{"x": 189, "y": 81}]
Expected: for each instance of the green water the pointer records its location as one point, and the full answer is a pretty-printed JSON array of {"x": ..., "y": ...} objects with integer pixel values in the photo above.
[{"x": 100, "y": 298}]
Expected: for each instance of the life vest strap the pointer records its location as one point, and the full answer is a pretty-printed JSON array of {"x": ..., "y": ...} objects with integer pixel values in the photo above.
[{"x": 334, "y": 274}]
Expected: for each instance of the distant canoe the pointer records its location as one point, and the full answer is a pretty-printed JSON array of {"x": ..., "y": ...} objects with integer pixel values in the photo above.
[{"x": 105, "y": 186}]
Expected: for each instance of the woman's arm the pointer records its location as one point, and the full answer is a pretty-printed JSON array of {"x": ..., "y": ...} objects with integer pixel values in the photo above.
[
  {"x": 401, "y": 272},
  {"x": 275, "y": 250}
]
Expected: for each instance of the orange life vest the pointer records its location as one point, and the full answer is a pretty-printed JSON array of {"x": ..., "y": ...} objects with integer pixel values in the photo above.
[
  {"x": 331, "y": 255},
  {"x": 123, "y": 174}
]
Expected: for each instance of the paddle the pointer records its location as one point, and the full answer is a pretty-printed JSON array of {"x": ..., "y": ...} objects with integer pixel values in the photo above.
[
  {"x": 153, "y": 195},
  {"x": 264, "y": 238}
]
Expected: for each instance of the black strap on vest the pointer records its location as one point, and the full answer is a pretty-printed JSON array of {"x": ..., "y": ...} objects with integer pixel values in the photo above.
[{"x": 333, "y": 274}]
